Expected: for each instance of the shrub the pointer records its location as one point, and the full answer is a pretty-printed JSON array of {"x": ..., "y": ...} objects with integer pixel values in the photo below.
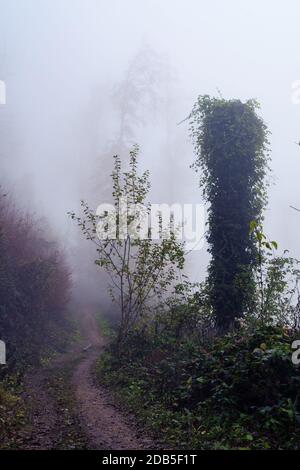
[
  {"x": 237, "y": 391},
  {"x": 34, "y": 286}
]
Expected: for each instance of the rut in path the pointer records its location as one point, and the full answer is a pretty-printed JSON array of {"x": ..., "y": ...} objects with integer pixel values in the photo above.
[{"x": 96, "y": 417}]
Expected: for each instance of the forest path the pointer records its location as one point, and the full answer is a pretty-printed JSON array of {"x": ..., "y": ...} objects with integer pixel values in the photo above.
[
  {"x": 68, "y": 410},
  {"x": 105, "y": 426}
]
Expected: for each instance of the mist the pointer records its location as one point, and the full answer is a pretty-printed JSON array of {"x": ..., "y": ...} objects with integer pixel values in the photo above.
[
  {"x": 140, "y": 341},
  {"x": 64, "y": 63}
]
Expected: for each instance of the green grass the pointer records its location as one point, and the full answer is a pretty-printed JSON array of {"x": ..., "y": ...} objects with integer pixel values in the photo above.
[
  {"x": 103, "y": 325},
  {"x": 12, "y": 412}
]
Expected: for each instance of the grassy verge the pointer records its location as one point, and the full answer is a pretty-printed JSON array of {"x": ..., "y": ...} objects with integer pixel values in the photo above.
[{"x": 12, "y": 412}]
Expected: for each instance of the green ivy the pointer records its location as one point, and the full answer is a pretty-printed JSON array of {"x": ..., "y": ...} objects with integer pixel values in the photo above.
[{"x": 230, "y": 142}]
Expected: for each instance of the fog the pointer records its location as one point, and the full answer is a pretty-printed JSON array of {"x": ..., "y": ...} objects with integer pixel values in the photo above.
[{"x": 65, "y": 62}]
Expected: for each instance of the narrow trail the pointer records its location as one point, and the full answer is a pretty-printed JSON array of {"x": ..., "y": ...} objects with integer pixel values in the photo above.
[
  {"x": 104, "y": 425},
  {"x": 68, "y": 410}
]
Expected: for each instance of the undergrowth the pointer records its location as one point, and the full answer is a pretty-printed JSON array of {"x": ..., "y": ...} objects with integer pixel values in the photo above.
[
  {"x": 239, "y": 391},
  {"x": 12, "y": 412}
]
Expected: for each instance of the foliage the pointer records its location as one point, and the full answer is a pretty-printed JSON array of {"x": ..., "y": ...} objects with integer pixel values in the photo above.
[
  {"x": 34, "y": 287},
  {"x": 230, "y": 141},
  {"x": 276, "y": 280},
  {"x": 12, "y": 415},
  {"x": 141, "y": 270},
  {"x": 200, "y": 390},
  {"x": 239, "y": 391}
]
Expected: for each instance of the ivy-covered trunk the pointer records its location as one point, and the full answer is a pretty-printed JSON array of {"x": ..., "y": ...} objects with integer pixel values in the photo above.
[{"x": 230, "y": 141}]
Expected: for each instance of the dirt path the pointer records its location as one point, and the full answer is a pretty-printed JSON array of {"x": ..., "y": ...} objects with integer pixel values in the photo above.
[
  {"x": 67, "y": 410},
  {"x": 104, "y": 425}
]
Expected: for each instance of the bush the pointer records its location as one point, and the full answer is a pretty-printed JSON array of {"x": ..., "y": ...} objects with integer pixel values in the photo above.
[
  {"x": 238, "y": 391},
  {"x": 34, "y": 286}
]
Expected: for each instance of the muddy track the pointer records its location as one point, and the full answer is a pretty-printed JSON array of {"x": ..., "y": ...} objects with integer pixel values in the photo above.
[{"x": 67, "y": 410}]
